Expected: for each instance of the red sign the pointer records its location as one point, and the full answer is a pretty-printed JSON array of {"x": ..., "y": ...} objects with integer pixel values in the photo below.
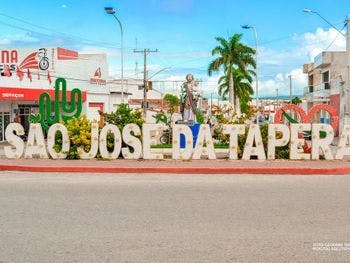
[
  {"x": 29, "y": 94},
  {"x": 65, "y": 54},
  {"x": 9, "y": 56}
]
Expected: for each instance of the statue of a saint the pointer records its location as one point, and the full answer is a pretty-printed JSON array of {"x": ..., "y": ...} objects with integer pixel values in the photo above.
[{"x": 189, "y": 99}]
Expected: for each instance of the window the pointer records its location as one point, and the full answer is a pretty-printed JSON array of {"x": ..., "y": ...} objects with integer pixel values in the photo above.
[{"x": 325, "y": 79}]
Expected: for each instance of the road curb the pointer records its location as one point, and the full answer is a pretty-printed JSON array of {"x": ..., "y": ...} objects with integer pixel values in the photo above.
[{"x": 181, "y": 170}]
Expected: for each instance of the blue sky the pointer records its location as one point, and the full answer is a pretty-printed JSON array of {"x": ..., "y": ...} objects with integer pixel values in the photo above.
[{"x": 183, "y": 31}]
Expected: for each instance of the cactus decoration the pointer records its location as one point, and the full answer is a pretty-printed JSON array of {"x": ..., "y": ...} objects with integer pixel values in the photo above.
[{"x": 63, "y": 110}]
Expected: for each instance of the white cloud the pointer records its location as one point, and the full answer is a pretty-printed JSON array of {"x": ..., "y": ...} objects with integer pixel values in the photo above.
[
  {"x": 304, "y": 47},
  {"x": 5, "y": 41},
  {"x": 314, "y": 43},
  {"x": 281, "y": 82},
  {"x": 98, "y": 50},
  {"x": 273, "y": 57},
  {"x": 15, "y": 38},
  {"x": 303, "y": 50}
]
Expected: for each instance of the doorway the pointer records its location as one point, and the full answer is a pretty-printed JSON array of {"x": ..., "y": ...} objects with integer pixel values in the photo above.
[
  {"x": 23, "y": 113},
  {"x": 4, "y": 121}
]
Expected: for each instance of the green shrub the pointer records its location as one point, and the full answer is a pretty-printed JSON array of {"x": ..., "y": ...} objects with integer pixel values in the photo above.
[
  {"x": 281, "y": 152},
  {"x": 123, "y": 116},
  {"x": 199, "y": 116},
  {"x": 79, "y": 132}
]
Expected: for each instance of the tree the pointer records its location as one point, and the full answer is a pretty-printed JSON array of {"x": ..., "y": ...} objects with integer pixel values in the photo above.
[
  {"x": 241, "y": 85},
  {"x": 231, "y": 54},
  {"x": 173, "y": 102}
]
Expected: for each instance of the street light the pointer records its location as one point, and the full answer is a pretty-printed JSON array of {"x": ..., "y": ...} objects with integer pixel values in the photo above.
[
  {"x": 159, "y": 71},
  {"x": 111, "y": 11},
  {"x": 256, "y": 68},
  {"x": 306, "y": 10}
]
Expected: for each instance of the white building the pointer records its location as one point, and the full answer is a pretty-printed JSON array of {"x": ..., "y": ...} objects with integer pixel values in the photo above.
[{"x": 27, "y": 73}]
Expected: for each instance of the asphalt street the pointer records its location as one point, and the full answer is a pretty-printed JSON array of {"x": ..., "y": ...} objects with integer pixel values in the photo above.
[{"x": 173, "y": 218}]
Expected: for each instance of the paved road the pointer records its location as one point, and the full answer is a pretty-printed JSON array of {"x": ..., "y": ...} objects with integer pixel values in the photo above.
[{"x": 172, "y": 218}]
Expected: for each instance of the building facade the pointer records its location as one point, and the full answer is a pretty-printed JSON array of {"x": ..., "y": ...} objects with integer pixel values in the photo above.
[
  {"x": 26, "y": 73},
  {"x": 326, "y": 84}
]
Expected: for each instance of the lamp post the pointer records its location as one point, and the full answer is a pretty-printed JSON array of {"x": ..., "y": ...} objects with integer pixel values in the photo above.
[
  {"x": 256, "y": 69},
  {"x": 111, "y": 11},
  {"x": 347, "y": 37},
  {"x": 324, "y": 19}
]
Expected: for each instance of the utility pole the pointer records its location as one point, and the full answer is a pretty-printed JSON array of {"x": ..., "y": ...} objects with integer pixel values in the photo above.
[
  {"x": 145, "y": 52},
  {"x": 290, "y": 88}
]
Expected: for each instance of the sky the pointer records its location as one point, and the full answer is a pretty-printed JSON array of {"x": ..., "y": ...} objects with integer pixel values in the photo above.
[{"x": 184, "y": 33}]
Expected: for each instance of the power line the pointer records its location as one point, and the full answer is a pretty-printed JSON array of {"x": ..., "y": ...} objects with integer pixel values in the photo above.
[
  {"x": 104, "y": 44},
  {"x": 67, "y": 35},
  {"x": 335, "y": 38}
]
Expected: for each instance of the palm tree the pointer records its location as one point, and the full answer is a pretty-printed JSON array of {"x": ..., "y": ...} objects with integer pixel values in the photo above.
[
  {"x": 231, "y": 54},
  {"x": 241, "y": 85}
]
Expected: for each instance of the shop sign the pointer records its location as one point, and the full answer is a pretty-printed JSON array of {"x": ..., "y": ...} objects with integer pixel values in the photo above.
[
  {"x": 27, "y": 94},
  {"x": 96, "y": 79}
]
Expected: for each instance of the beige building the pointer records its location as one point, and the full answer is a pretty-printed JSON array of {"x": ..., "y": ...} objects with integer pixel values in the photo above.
[{"x": 326, "y": 83}]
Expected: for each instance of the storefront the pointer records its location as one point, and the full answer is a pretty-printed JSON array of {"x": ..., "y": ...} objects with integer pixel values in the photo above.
[{"x": 26, "y": 73}]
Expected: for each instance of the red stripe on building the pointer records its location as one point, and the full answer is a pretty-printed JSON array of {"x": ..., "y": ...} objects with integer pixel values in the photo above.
[
  {"x": 65, "y": 54},
  {"x": 99, "y": 105},
  {"x": 30, "y": 94}
]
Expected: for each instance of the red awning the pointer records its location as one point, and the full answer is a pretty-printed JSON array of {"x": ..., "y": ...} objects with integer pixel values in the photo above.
[{"x": 29, "y": 94}]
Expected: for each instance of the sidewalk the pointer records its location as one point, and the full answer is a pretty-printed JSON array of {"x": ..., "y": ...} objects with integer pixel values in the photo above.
[{"x": 219, "y": 166}]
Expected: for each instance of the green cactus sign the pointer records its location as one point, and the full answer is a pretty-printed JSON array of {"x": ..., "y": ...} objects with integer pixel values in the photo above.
[{"x": 62, "y": 109}]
